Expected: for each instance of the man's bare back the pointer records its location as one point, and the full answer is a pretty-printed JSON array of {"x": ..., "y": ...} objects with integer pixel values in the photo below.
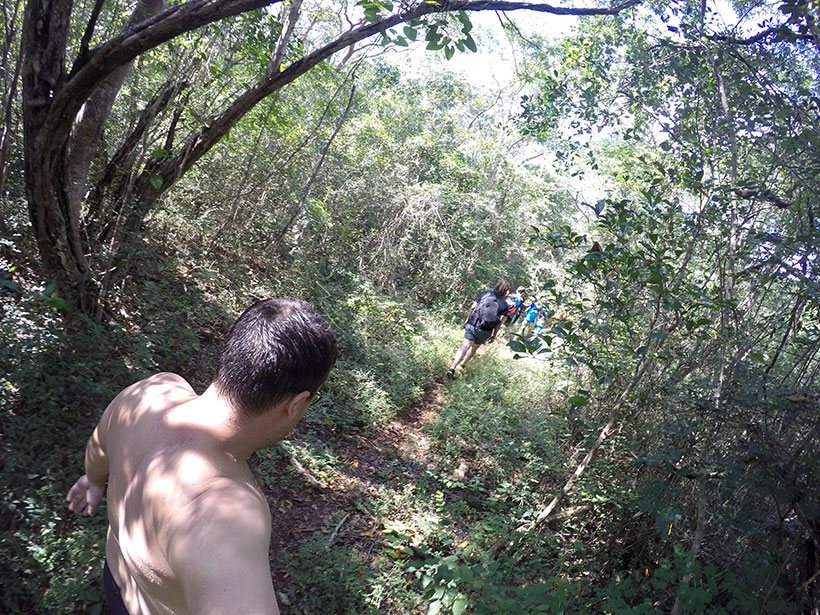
[{"x": 189, "y": 530}]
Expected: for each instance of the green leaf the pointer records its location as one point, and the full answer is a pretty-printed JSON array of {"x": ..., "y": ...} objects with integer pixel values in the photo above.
[
  {"x": 578, "y": 401},
  {"x": 56, "y": 302},
  {"x": 656, "y": 277},
  {"x": 470, "y": 43},
  {"x": 410, "y": 32},
  {"x": 449, "y": 52},
  {"x": 156, "y": 181},
  {"x": 11, "y": 285},
  {"x": 459, "y": 604},
  {"x": 466, "y": 24}
]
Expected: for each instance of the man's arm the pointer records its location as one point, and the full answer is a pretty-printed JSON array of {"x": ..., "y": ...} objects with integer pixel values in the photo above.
[
  {"x": 86, "y": 494},
  {"x": 497, "y": 328},
  {"x": 218, "y": 552}
]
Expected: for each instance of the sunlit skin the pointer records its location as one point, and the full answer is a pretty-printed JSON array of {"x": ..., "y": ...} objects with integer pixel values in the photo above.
[{"x": 189, "y": 530}]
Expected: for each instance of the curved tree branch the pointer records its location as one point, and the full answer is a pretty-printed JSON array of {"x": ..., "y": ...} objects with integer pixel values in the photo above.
[
  {"x": 171, "y": 169},
  {"x": 53, "y": 97},
  {"x": 100, "y": 62},
  {"x": 782, "y": 32}
]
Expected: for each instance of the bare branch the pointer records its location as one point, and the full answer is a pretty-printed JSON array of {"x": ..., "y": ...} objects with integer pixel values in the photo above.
[
  {"x": 782, "y": 32},
  {"x": 118, "y": 161},
  {"x": 538, "y": 7},
  {"x": 89, "y": 29},
  {"x": 288, "y": 24}
]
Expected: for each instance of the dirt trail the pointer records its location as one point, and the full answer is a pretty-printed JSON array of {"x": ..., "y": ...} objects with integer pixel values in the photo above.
[{"x": 386, "y": 459}]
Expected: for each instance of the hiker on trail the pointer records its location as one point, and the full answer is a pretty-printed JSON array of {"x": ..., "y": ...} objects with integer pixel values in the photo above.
[
  {"x": 514, "y": 303},
  {"x": 532, "y": 315},
  {"x": 484, "y": 319},
  {"x": 189, "y": 528}
]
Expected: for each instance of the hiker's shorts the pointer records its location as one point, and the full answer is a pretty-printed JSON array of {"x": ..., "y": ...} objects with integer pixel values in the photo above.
[
  {"x": 477, "y": 336},
  {"x": 112, "y": 593}
]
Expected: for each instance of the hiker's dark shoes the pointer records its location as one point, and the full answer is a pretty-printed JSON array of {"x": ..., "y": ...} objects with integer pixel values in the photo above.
[{"x": 451, "y": 373}]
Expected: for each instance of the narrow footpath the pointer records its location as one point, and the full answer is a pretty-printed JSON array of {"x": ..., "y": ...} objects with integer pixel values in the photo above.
[{"x": 386, "y": 459}]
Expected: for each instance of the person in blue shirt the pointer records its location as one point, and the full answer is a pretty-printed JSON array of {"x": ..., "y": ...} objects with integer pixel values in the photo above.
[
  {"x": 531, "y": 317},
  {"x": 514, "y": 302}
]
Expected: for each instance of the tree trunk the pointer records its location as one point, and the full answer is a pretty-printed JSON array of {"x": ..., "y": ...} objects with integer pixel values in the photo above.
[
  {"x": 52, "y": 99},
  {"x": 8, "y": 128},
  {"x": 45, "y": 33},
  {"x": 91, "y": 120}
]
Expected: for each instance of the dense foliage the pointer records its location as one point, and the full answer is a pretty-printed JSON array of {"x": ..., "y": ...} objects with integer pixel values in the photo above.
[{"x": 652, "y": 448}]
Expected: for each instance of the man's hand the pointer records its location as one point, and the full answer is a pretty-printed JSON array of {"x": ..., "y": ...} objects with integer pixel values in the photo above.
[{"x": 84, "y": 497}]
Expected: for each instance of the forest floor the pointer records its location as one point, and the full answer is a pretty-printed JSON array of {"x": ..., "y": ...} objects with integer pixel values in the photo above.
[
  {"x": 353, "y": 522},
  {"x": 337, "y": 507}
]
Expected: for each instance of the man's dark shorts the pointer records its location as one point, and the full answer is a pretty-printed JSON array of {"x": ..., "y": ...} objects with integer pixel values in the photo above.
[
  {"x": 477, "y": 336},
  {"x": 112, "y": 593}
]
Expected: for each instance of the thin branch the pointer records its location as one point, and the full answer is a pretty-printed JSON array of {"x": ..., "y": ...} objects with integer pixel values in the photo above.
[
  {"x": 694, "y": 550},
  {"x": 89, "y": 30},
  {"x": 300, "y": 468},
  {"x": 288, "y": 25},
  {"x": 115, "y": 166},
  {"x": 309, "y": 184},
  {"x": 336, "y": 531},
  {"x": 782, "y": 31},
  {"x": 493, "y": 5}
]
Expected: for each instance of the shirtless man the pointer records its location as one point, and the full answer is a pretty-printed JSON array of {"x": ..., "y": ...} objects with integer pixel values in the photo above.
[{"x": 189, "y": 530}]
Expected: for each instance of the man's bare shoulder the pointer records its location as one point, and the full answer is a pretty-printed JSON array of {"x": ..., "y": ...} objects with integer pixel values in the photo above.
[
  {"x": 161, "y": 383},
  {"x": 222, "y": 502},
  {"x": 217, "y": 547},
  {"x": 159, "y": 391}
]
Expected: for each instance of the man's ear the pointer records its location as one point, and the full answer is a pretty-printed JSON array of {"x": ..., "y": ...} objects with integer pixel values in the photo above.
[{"x": 297, "y": 404}]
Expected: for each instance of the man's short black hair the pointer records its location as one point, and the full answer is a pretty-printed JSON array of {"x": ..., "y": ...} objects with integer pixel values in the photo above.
[{"x": 276, "y": 348}]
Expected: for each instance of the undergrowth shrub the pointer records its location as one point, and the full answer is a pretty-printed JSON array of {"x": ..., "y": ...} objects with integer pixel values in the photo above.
[
  {"x": 330, "y": 581},
  {"x": 50, "y": 388},
  {"x": 388, "y": 353}
]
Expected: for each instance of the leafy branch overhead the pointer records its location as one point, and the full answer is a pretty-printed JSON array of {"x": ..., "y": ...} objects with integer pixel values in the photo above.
[{"x": 54, "y": 97}]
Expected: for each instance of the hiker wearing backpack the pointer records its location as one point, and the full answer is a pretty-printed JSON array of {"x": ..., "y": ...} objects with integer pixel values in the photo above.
[
  {"x": 484, "y": 319},
  {"x": 514, "y": 304}
]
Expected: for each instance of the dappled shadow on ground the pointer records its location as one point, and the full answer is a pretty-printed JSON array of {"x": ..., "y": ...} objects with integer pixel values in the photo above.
[
  {"x": 392, "y": 458},
  {"x": 59, "y": 382}
]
